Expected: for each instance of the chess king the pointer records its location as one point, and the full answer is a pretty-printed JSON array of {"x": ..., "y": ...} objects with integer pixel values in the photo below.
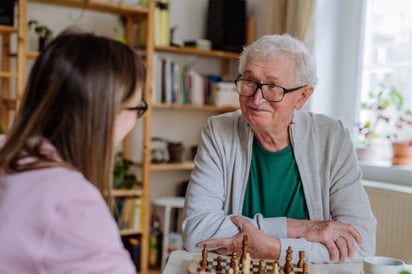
[{"x": 277, "y": 172}]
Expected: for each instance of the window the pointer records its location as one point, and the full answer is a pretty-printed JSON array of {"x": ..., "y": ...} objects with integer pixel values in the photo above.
[{"x": 387, "y": 62}]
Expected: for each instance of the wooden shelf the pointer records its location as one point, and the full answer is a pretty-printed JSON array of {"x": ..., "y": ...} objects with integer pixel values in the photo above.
[
  {"x": 136, "y": 11},
  {"x": 29, "y": 55},
  {"x": 7, "y": 29},
  {"x": 127, "y": 232},
  {"x": 187, "y": 165},
  {"x": 194, "y": 107},
  {"x": 199, "y": 52},
  {"x": 10, "y": 103},
  {"x": 7, "y": 74},
  {"x": 17, "y": 49},
  {"x": 126, "y": 192},
  {"x": 32, "y": 54}
]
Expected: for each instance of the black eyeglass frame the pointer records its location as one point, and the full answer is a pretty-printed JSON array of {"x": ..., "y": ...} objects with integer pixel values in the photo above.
[
  {"x": 260, "y": 85},
  {"x": 140, "y": 109}
]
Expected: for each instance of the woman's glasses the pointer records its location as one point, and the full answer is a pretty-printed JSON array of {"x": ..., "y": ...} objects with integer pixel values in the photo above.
[{"x": 140, "y": 109}]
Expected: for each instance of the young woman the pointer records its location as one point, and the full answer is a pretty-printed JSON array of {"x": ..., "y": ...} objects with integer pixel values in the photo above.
[{"x": 82, "y": 97}]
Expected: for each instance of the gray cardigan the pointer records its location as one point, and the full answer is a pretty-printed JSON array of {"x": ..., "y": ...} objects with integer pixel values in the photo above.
[{"x": 330, "y": 174}]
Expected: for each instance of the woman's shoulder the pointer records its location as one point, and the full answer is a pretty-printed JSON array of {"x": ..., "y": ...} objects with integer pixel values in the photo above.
[
  {"x": 60, "y": 183},
  {"x": 68, "y": 179}
]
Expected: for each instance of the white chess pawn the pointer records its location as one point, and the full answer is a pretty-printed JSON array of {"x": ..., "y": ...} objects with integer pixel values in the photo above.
[{"x": 275, "y": 269}]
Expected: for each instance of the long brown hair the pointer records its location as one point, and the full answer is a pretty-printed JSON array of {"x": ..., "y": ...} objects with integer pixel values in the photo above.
[{"x": 77, "y": 86}]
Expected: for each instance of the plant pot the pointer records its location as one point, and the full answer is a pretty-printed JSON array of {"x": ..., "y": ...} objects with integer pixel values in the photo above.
[
  {"x": 176, "y": 152},
  {"x": 402, "y": 153},
  {"x": 374, "y": 153}
]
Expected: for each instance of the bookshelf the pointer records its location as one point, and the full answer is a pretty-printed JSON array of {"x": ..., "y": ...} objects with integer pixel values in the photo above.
[
  {"x": 12, "y": 70},
  {"x": 14, "y": 66},
  {"x": 13, "y": 78},
  {"x": 182, "y": 122}
]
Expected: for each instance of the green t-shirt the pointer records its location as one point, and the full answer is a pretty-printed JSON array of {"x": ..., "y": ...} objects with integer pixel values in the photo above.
[{"x": 274, "y": 187}]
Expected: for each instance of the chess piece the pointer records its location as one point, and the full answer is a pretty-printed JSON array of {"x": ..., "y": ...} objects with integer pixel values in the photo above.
[
  {"x": 288, "y": 268},
  {"x": 234, "y": 263},
  {"x": 246, "y": 264},
  {"x": 262, "y": 267},
  {"x": 275, "y": 268},
  {"x": 305, "y": 268},
  {"x": 203, "y": 262},
  {"x": 244, "y": 247},
  {"x": 301, "y": 260},
  {"x": 289, "y": 251},
  {"x": 219, "y": 268}
]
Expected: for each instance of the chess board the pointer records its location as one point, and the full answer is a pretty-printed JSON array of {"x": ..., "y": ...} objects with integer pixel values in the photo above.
[{"x": 194, "y": 265}]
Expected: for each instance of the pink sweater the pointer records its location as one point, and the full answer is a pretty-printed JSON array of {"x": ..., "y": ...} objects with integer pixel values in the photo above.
[{"x": 55, "y": 221}]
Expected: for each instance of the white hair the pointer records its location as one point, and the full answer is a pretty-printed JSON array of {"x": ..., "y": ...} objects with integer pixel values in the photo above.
[{"x": 272, "y": 45}]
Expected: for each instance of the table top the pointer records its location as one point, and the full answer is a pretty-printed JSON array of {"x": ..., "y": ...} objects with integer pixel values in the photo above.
[{"x": 179, "y": 261}]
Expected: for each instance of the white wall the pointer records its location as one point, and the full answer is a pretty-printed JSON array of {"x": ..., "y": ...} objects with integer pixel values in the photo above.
[
  {"x": 336, "y": 43},
  {"x": 337, "y": 46},
  {"x": 57, "y": 18},
  {"x": 337, "y": 25}
]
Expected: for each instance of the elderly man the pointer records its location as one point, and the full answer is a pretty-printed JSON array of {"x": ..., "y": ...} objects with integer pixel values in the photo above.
[{"x": 279, "y": 174}]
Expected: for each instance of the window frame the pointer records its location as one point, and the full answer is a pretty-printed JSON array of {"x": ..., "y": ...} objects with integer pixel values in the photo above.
[{"x": 338, "y": 49}]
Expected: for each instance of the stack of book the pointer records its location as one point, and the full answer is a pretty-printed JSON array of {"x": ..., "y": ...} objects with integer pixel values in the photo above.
[
  {"x": 175, "y": 83},
  {"x": 128, "y": 214}
]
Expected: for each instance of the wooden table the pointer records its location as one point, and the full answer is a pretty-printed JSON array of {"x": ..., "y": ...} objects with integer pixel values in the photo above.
[{"x": 179, "y": 261}]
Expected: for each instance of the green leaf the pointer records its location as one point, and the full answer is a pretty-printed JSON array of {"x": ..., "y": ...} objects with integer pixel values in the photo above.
[{"x": 122, "y": 178}]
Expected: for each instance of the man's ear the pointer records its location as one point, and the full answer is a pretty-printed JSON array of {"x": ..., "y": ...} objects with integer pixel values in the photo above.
[{"x": 304, "y": 95}]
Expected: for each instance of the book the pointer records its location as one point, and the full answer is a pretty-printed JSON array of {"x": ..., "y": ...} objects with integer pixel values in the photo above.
[
  {"x": 162, "y": 23},
  {"x": 137, "y": 218}
]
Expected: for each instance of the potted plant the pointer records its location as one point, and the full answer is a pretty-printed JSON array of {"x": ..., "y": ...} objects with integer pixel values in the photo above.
[
  {"x": 122, "y": 177},
  {"x": 372, "y": 142},
  {"x": 43, "y": 32},
  {"x": 402, "y": 139},
  {"x": 384, "y": 119}
]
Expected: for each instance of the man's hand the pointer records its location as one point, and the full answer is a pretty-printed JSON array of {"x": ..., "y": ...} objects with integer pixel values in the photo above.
[
  {"x": 260, "y": 244},
  {"x": 337, "y": 237}
]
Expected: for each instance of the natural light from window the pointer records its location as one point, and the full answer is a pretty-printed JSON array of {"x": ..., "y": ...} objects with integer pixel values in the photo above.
[{"x": 387, "y": 75}]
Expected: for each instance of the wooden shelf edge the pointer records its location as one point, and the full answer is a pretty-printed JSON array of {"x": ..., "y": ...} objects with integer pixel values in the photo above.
[
  {"x": 126, "y": 192},
  {"x": 127, "y": 232},
  {"x": 194, "y": 107},
  {"x": 187, "y": 165},
  {"x": 99, "y": 6},
  {"x": 7, "y": 74},
  {"x": 7, "y": 29},
  {"x": 32, "y": 54},
  {"x": 9, "y": 103},
  {"x": 200, "y": 52}
]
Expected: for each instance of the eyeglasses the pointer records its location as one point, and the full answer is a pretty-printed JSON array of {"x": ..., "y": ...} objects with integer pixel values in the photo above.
[
  {"x": 270, "y": 92},
  {"x": 140, "y": 109}
]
